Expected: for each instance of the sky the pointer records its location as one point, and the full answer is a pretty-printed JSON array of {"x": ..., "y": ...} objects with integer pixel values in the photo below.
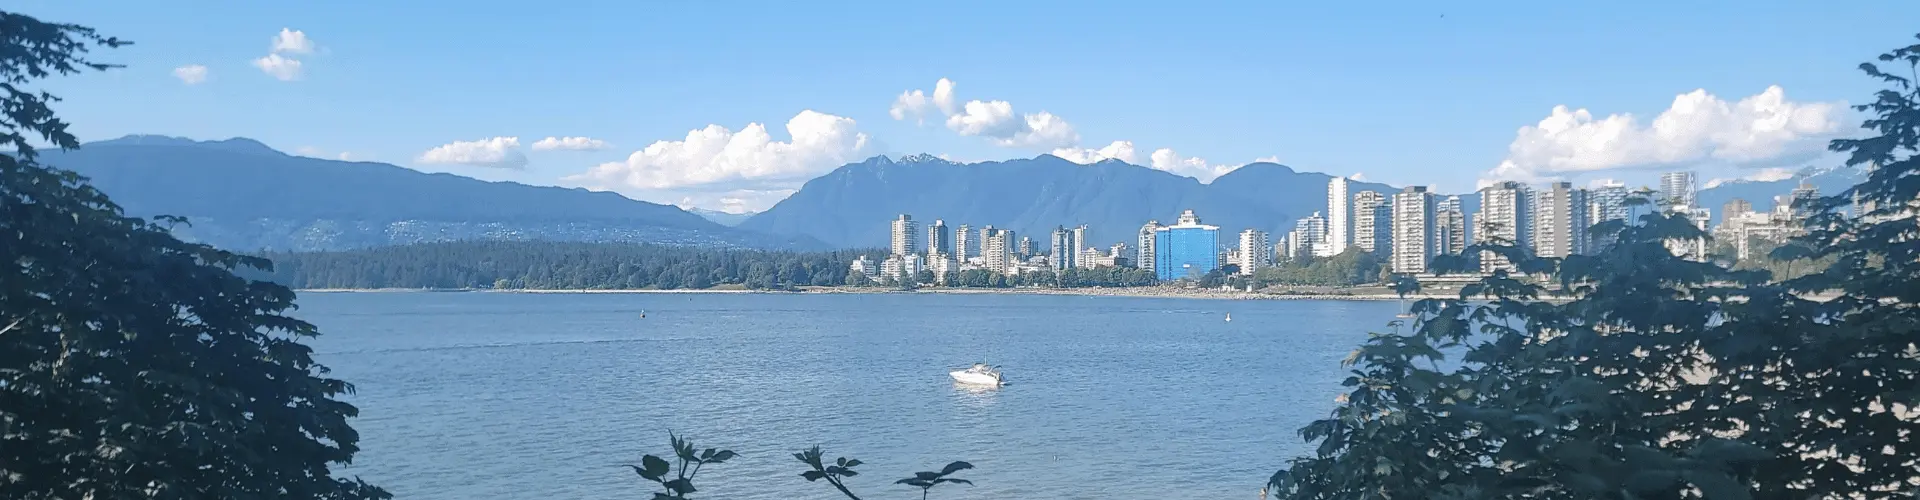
[{"x": 733, "y": 105}]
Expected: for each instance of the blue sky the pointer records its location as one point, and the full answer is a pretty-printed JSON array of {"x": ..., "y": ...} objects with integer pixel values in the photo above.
[{"x": 1401, "y": 92}]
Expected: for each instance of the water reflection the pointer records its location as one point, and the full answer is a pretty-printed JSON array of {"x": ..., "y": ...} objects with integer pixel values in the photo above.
[{"x": 975, "y": 396}]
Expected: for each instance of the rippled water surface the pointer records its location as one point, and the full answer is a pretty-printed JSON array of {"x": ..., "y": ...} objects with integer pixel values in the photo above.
[{"x": 543, "y": 396}]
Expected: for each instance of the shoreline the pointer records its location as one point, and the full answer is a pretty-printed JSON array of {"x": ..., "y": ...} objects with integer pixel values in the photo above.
[{"x": 1135, "y": 292}]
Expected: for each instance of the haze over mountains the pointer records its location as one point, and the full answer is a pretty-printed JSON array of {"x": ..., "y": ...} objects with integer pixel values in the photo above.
[
  {"x": 240, "y": 194},
  {"x": 243, "y": 195}
]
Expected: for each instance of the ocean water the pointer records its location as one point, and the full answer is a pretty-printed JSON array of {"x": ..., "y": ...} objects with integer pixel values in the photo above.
[{"x": 545, "y": 396}]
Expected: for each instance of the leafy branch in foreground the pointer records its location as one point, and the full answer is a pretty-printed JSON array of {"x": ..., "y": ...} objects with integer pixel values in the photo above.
[
  {"x": 926, "y": 480},
  {"x": 678, "y": 485},
  {"x": 1653, "y": 376}
]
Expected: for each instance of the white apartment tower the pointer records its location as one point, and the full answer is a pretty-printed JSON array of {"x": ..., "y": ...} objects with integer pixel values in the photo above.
[
  {"x": 1676, "y": 189},
  {"x": 1080, "y": 239},
  {"x": 1413, "y": 230},
  {"x": 1309, "y": 237},
  {"x": 996, "y": 249},
  {"x": 1560, "y": 221},
  {"x": 1255, "y": 251},
  {"x": 903, "y": 237},
  {"x": 1064, "y": 248},
  {"x": 1505, "y": 215},
  {"x": 1338, "y": 221},
  {"x": 1372, "y": 223},
  {"x": 1143, "y": 254},
  {"x": 962, "y": 241}
]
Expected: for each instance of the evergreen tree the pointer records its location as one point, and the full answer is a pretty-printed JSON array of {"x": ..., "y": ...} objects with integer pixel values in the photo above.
[{"x": 132, "y": 364}]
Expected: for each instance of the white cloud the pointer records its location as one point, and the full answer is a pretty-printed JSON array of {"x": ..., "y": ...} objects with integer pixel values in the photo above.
[
  {"x": 720, "y": 163},
  {"x": 1763, "y": 175},
  {"x": 292, "y": 41},
  {"x": 1119, "y": 150},
  {"x": 738, "y": 201},
  {"x": 993, "y": 120},
  {"x": 191, "y": 74},
  {"x": 283, "y": 68},
  {"x": 915, "y": 103},
  {"x": 497, "y": 152},
  {"x": 1764, "y": 129},
  {"x": 1267, "y": 159},
  {"x": 1358, "y": 176},
  {"x": 569, "y": 143},
  {"x": 1198, "y": 168}
]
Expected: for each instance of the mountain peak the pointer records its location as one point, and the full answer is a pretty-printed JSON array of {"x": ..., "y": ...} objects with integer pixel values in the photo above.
[
  {"x": 926, "y": 158},
  {"x": 236, "y": 144}
]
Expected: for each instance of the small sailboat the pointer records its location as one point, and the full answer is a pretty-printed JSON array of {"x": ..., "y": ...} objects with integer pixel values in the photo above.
[
  {"x": 1404, "y": 312},
  {"x": 1229, "y": 317},
  {"x": 643, "y": 314},
  {"x": 979, "y": 374}
]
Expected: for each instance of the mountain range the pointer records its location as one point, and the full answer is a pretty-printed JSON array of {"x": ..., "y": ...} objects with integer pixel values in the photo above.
[
  {"x": 240, "y": 194},
  {"x": 851, "y": 206}
]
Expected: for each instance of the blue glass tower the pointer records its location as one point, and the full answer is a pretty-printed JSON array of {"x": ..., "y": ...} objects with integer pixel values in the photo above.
[{"x": 1188, "y": 249}]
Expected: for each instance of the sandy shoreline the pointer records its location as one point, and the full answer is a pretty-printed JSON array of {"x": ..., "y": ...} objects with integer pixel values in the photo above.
[{"x": 1141, "y": 292}]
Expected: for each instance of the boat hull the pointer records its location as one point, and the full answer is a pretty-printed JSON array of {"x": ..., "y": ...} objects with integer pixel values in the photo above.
[{"x": 966, "y": 377}]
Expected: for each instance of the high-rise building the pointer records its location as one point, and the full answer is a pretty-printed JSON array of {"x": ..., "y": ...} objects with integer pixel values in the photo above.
[
  {"x": 1310, "y": 236},
  {"x": 1026, "y": 247},
  {"x": 939, "y": 239},
  {"x": 1143, "y": 251},
  {"x": 1090, "y": 258},
  {"x": 1506, "y": 216},
  {"x": 1676, "y": 189},
  {"x": 1063, "y": 248},
  {"x": 1606, "y": 202},
  {"x": 1694, "y": 249},
  {"x": 1451, "y": 224},
  {"x": 1734, "y": 208},
  {"x": 1187, "y": 249},
  {"x": 1560, "y": 221},
  {"x": 996, "y": 249},
  {"x": 1255, "y": 251},
  {"x": 1338, "y": 222},
  {"x": 1080, "y": 239},
  {"x": 903, "y": 237},
  {"x": 1803, "y": 199},
  {"x": 963, "y": 243},
  {"x": 1372, "y": 223},
  {"x": 1413, "y": 230}
]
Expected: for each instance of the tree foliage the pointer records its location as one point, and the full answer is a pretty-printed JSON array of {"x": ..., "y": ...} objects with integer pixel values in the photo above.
[
  {"x": 1352, "y": 267},
  {"x": 134, "y": 365},
  {"x": 1653, "y": 376},
  {"x": 550, "y": 265}
]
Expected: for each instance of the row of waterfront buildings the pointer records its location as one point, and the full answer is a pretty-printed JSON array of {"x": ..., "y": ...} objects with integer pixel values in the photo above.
[{"x": 1406, "y": 229}]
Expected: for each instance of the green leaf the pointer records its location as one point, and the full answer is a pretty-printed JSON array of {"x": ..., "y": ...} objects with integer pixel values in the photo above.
[
  {"x": 681, "y": 486},
  {"x": 654, "y": 467},
  {"x": 955, "y": 467},
  {"x": 722, "y": 456},
  {"x": 813, "y": 475}
]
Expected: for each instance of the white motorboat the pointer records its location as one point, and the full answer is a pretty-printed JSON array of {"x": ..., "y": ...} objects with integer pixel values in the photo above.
[{"x": 979, "y": 374}]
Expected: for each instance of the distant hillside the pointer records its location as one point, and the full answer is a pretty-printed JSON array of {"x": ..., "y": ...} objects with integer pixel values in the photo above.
[
  {"x": 243, "y": 195},
  {"x": 1761, "y": 193},
  {"x": 850, "y": 207},
  {"x": 728, "y": 219}
]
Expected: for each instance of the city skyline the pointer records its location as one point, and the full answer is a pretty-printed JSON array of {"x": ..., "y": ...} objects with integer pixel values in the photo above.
[
  {"x": 1405, "y": 229},
  {"x": 736, "y": 128}
]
